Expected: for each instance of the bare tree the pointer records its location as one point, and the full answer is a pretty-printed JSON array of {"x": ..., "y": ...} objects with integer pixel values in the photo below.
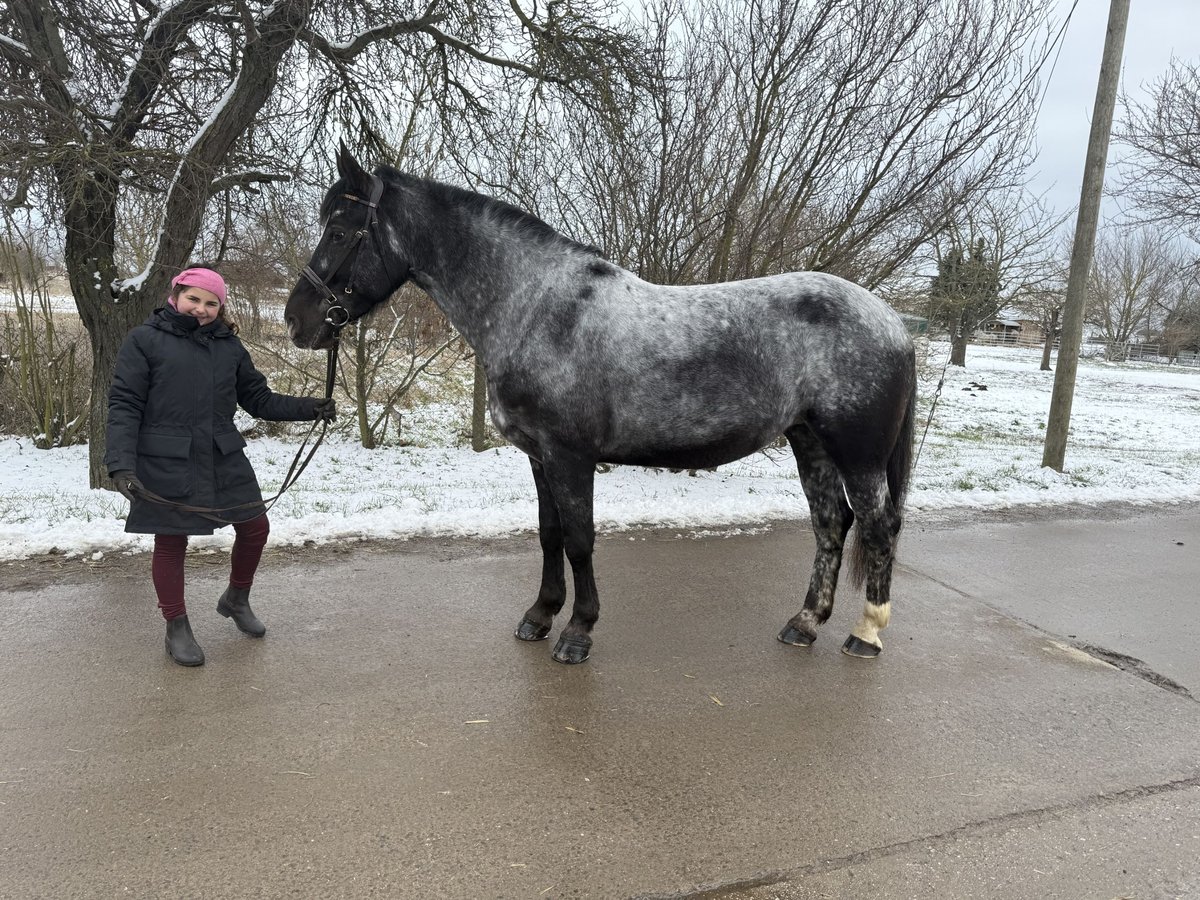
[
  {"x": 1162, "y": 176},
  {"x": 190, "y": 104},
  {"x": 837, "y": 135},
  {"x": 1181, "y": 325},
  {"x": 965, "y": 292},
  {"x": 998, "y": 255},
  {"x": 1046, "y": 305},
  {"x": 1135, "y": 281},
  {"x": 479, "y": 441}
]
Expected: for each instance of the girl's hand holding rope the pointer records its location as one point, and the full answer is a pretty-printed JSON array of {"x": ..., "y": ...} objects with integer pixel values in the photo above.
[
  {"x": 324, "y": 410},
  {"x": 127, "y": 483}
]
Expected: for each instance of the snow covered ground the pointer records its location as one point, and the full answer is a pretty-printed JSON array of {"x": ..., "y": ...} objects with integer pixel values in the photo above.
[
  {"x": 57, "y": 302},
  {"x": 1135, "y": 438}
]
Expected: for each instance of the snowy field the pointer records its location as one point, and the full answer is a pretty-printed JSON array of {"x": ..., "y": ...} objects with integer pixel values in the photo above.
[
  {"x": 57, "y": 302},
  {"x": 1135, "y": 439}
]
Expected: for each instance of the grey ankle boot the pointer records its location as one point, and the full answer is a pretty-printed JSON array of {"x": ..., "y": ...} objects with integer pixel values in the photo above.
[
  {"x": 235, "y": 604},
  {"x": 181, "y": 646}
]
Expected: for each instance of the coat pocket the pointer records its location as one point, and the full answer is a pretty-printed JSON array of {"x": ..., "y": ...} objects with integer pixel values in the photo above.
[
  {"x": 229, "y": 442},
  {"x": 165, "y": 463},
  {"x": 234, "y": 474}
]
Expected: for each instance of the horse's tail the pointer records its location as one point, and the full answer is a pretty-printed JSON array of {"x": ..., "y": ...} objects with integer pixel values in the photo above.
[
  {"x": 899, "y": 468},
  {"x": 900, "y": 463}
]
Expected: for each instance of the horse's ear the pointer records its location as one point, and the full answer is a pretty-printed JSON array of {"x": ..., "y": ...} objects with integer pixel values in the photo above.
[{"x": 349, "y": 168}]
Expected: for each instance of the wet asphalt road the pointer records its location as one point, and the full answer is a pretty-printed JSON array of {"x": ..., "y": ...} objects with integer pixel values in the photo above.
[{"x": 390, "y": 739}]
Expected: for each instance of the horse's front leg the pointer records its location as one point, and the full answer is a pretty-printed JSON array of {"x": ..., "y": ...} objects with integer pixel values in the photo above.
[
  {"x": 570, "y": 480},
  {"x": 535, "y": 625}
]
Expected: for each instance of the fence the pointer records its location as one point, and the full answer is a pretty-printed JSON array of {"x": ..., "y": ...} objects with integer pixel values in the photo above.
[
  {"x": 1110, "y": 351},
  {"x": 1011, "y": 339},
  {"x": 1129, "y": 351}
]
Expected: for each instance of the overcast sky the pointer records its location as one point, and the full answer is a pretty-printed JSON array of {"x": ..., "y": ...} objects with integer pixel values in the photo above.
[{"x": 1158, "y": 30}]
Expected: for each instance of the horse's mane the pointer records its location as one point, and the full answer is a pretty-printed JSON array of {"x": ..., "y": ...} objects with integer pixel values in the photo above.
[{"x": 481, "y": 206}]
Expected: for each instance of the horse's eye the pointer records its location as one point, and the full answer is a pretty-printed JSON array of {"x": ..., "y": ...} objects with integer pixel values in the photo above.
[{"x": 338, "y": 235}]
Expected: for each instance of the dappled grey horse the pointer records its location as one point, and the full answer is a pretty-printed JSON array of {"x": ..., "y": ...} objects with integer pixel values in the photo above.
[{"x": 587, "y": 363}]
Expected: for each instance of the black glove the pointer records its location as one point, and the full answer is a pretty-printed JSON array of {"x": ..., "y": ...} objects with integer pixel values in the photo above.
[
  {"x": 127, "y": 483},
  {"x": 324, "y": 410}
]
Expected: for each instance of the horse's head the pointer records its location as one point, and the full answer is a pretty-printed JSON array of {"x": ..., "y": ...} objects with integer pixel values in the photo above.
[{"x": 352, "y": 270}]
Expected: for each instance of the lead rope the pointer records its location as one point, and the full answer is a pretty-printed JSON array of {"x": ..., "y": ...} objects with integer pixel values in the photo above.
[
  {"x": 933, "y": 405},
  {"x": 294, "y": 470}
]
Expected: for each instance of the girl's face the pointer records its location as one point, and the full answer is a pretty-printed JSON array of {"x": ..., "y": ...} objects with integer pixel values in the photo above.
[{"x": 198, "y": 303}]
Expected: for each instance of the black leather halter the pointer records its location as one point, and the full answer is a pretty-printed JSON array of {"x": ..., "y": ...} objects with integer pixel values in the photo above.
[{"x": 336, "y": 315}]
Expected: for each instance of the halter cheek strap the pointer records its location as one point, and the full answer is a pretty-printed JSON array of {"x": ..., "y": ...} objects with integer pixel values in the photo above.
[{"x": 336, "y": 314}]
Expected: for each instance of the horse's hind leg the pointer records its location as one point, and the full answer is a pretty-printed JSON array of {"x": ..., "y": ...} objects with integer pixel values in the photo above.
[
  {"x": 535, "y": 625},
  {"x": 831, "y": 519},
  {"x": 878, "y": 531}
]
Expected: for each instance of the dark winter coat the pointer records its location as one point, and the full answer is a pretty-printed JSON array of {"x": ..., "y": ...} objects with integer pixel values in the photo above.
[{"x": 174, "y": 391}]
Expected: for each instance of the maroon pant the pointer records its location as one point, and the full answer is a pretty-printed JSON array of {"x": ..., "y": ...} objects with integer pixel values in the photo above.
[{"x": 166, "y": 565}]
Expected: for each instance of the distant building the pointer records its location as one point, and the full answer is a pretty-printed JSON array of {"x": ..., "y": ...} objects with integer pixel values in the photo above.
[{"x": 1010, "y": 327}]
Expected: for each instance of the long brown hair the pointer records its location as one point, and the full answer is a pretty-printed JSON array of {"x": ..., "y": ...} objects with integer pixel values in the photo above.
[{"x": 223, "y": 314}]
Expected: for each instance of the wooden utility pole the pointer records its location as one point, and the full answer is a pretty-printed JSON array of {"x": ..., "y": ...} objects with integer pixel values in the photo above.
[{"x": 1085, "y": 238}]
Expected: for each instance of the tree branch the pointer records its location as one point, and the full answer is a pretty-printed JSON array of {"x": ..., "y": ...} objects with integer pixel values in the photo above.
[
  {"x": 163, "y": 35},
  {"x": 15, "y": 50},
  {"x": 348, "y": 51},
  {"x": 243, "y": 179},
  {"x": 20, "y": 193},
  {"x": 448, "y": 41},
  {"x": 43, "y": 42},
  {"x": 525, "y": 20}
]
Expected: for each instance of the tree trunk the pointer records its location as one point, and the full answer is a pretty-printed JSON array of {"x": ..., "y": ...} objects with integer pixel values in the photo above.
[
  {"x": 1049, "y": 340},
  {"x": 479, "y": 408},
  {"x": 958, "y": 342},
  {"x": 365, "y": 435},
  {"x": 958, "y": 350},
  {"x": 105, "y": 334},
  {"x": 88, "y": 260},
  {"x": 90, "y": 219}
]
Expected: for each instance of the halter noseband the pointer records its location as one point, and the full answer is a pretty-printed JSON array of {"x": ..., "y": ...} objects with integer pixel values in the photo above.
[{"x": 337, "y": 315}]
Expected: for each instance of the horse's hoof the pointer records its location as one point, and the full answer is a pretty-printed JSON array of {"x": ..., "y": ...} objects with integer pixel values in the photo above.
[
  {"x": 794, "y": 636},
  {"x": 572, "y": 650},
  {"x": 859, "y": 648},
  {"x": 531, "y": 631}
]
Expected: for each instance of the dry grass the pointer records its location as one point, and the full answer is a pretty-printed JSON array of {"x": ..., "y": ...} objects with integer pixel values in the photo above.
[{"x": 45, "y": 372}]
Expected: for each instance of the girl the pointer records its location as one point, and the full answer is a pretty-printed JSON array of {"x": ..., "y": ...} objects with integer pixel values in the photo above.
[{"x": 179, "y": 377}]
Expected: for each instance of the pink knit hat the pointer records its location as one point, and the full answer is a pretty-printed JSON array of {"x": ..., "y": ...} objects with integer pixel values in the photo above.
[{"x": 201, "y": 278}]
